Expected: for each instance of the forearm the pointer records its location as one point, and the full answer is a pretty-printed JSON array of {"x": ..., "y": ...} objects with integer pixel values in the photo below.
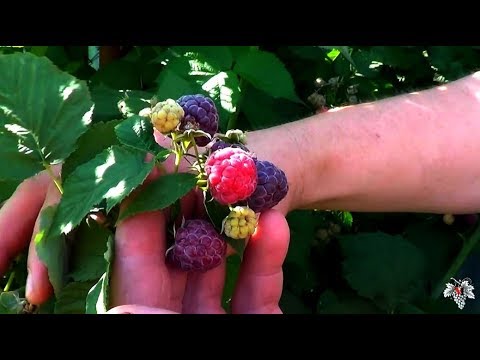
[{"x": 415, "y": 152}]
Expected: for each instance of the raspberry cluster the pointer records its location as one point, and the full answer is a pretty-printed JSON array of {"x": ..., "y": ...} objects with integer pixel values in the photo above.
[{"x": 234, "y": 181}]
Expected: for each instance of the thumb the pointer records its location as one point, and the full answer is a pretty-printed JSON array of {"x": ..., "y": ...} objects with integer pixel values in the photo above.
[{"x": 138, "y": 309}]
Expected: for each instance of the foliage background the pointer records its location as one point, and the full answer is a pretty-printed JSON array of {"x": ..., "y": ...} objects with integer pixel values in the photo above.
[{"x": 338, "y": 262}]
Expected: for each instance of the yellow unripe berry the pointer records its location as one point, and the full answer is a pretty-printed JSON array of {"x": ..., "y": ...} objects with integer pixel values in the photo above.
[
  {"x": 240, "y": 223},
  {"x": 166, "y": 115}
]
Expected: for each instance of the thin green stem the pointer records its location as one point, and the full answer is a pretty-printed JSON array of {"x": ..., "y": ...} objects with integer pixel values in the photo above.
[
  {"x": 54, "y": 178},
  {"x": 197, "y": 155},
  {"x": 178, "y": 152},
  {"x": 9, "y": 282},
  {"x": 467, "y": 248}
]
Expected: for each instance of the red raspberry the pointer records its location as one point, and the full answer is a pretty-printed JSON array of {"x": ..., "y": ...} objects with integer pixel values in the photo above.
[
  {"x": 198, "y": 247},
  {"x": 232, "y": 175}
]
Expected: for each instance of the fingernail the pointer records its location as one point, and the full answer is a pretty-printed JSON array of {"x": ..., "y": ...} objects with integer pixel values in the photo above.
[{"x": 28, "y": 286}]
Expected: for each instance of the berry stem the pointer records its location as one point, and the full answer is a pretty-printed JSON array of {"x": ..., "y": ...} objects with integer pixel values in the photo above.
[
  {"x": 177, "y": 150},
  {"x": 467, "y": 248},
  {"x": 9, "y": 282},
  {"x": 197, "y": 155},
  {"x": 54, "y": 178}
]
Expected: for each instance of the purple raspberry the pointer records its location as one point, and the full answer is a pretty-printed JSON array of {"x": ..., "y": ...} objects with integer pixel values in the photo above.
[
  {"x": 220, "y": 144},
  {"x": 200, "y": 114},
  {"x": 272, "y": 187},
  {"x": 198, "y": 247}
]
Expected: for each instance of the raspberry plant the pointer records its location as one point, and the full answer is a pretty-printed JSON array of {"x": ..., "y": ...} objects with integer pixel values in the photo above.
[{"x": 56, "y": 107}]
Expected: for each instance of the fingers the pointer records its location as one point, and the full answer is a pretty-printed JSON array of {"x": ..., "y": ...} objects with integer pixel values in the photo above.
[
  {"x": 18, "y": 216},
  {"x": 138, "y": 309},
  {"x": 203, "y": 294},
  {"x": 260, "y": 280},
  {"x": 139, "y": 274},
  {"x": 38, "y": 288}
]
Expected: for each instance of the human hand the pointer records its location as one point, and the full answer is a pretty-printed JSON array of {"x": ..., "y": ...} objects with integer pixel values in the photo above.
[
  {"x": 20, "y": 215},
  {"x": 19, "y": 223},
  {"x": 143, "y": 283}
]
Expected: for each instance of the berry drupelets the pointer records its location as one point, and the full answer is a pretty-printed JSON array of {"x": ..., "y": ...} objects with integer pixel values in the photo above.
[
  {"x": 200, "y": 114},
  {"x": 240, "y": 223},
  {"x": 166, "y": 115},
  {"x": 272, "y": 187},
  {"x": 198, "y": 247},
  {"x": 232, "y": 175}
]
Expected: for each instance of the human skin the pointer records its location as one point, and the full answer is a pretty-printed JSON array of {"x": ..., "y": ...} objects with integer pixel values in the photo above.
[{"x": 416, "y": 152}]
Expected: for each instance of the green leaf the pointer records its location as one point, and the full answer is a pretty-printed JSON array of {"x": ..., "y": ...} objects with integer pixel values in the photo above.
[
  {"x": 344, "y": 50},
  {"x": 439, "y": 244},
  {"x": 231, "y": 276},
  {"x": 11, "y": 152},
  {"x": 39, "y": 50},
  {"x": 112, "y": 175},
  {"x": 10, "y": 302},
  {"x": 292, "y": 304},
  {"x": 160, "y": 194},
  {"x": 238, "y": 51},
  {"x": 119, "y": 74},
  {"x": 58, "y": 56},
  {"x": 94, "y": 303},
  {"x": 239, "y": 245},
  {"x": 133, "y": 102},
  {"x": 263, "y": 111},
  {"x": 343, "y": 218},
  {"x": 87, "y": 255},
  {"x": 215, "y": 211},
  {"x": 302, "y": 233},
  {"x": 315, "y": 53},
  {"x": 299, "y": 270},
  {"x": 97, "y": 138},
  {"x": 342, "y": 66},
  {"x": 7, "y": 188},
  {"x": 220, "y": 57},
  {"x": 224, "y": 89},
  {"x": 45, "y": 108},
  {"x": 72, "y": 299},
  {"x": 385, "y": 268},
  {"x": 364, "y": 63},
  {"x": 98, "y": 298},
  {"x": 172, "y": 86},
  {"x": 399, "y": 57},
  {"x": 267, "y": 73},
  {"x": 51, "y": 250},
  {"x": 106, "y": 103},
  {"x": 137, "y": 132}
]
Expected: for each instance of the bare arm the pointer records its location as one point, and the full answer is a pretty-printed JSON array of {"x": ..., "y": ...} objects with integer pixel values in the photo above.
[{"x": 417, "y": 152}]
